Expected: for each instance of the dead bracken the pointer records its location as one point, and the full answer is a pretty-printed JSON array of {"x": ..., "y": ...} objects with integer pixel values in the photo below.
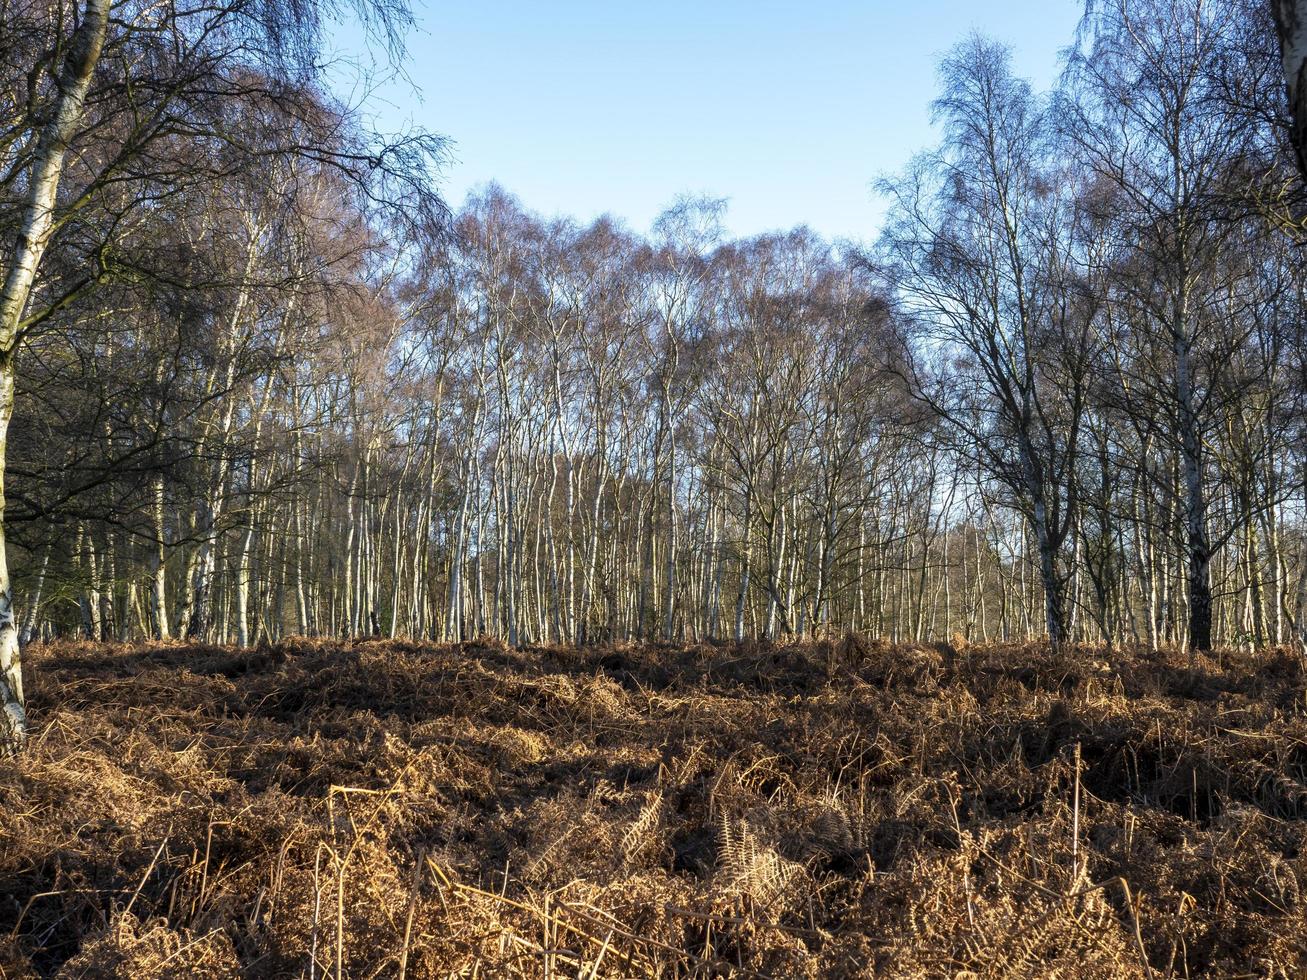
[{"x": 838, "y": 809}]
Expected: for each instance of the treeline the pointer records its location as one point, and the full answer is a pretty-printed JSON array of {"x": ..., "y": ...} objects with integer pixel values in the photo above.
[{"x": 267, "y": 387}]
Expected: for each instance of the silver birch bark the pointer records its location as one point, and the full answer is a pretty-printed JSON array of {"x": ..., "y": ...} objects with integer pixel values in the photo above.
[{"x": 34, "y": 233}]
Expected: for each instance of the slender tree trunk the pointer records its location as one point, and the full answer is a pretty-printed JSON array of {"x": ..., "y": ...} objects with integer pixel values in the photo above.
[
  {"x": 1291, "y": 26},
  {"x": 1198, "y": 576},
  {"x": 746, "y": 559},
  {"x": 34, "y": 607},
  {"x": 31, "y": 239},
  {"x": 13, "y": 729}
]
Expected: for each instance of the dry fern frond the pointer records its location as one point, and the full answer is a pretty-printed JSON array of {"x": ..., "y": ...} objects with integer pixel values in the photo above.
[
  {"x": 749, "y": 868},
  {"x": 642, "y": 834}
]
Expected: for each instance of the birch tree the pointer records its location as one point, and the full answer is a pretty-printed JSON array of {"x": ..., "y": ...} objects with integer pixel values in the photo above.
[{"x": 979, "y": 256}]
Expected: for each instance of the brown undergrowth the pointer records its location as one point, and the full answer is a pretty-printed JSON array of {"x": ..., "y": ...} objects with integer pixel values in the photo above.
[{"x": 383, "y": 809}]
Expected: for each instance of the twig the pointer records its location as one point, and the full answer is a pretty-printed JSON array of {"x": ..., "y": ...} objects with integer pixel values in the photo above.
[
  {"x": 412, "y": 907},
  {"x": 1134, "y": 916},
  {"x": 1075, "y": 820},
  {"x": 594, "y": 968},
  {"x": 146, "y": 877}
]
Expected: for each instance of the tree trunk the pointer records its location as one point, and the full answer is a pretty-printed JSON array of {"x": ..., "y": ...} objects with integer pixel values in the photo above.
[
  {"x": 1291, "y": 27},
  {"x": 1199, "y": 548},
  {"x": 30, "y": 242},
  {"x": 13, "y": 729}
]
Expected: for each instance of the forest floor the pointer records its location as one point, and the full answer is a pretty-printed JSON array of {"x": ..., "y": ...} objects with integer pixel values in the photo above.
[{"x": 384, "y": 809}]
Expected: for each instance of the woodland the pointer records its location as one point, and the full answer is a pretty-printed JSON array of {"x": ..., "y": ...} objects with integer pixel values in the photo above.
[
  {"x": 266, "y": 384},
  {"x": 393, "y": 589}
]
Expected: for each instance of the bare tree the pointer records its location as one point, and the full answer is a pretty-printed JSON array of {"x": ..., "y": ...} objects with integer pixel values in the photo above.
[{"x": 980, "y": 253}]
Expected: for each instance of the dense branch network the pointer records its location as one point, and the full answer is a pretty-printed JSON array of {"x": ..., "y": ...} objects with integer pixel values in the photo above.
[{"x": 269, "y": 387}]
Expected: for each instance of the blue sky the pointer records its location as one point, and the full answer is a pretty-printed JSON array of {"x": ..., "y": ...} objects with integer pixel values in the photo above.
[{"x": 790, "y": 110}]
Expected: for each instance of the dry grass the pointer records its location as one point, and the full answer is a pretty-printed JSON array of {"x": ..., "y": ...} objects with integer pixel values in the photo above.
[{"x": 843, "y": 809}]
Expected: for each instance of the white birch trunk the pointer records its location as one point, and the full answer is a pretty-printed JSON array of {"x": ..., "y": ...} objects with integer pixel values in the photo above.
[{"x": 30, "y": 243}]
